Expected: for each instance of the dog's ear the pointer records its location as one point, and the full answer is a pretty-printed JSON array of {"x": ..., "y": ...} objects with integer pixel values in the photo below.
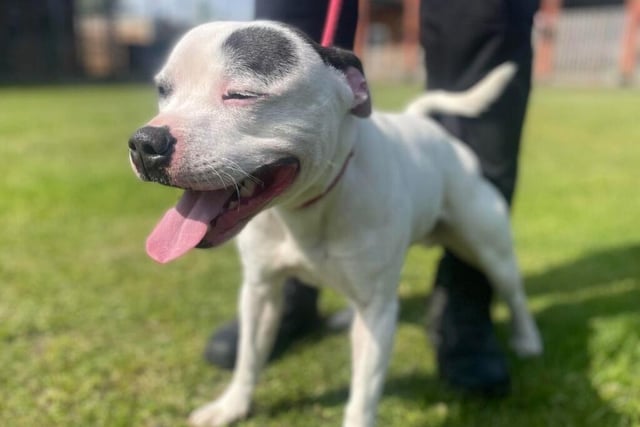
[
  {"x": 349, "y": 64},
  {"x": 361, "y": 97}
]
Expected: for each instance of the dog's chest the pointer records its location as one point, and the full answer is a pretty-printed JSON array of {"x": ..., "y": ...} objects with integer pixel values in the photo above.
[
  {"x": 317, "y": 251},
  {"x": 346, "y": 258},
  {"x": 320, "y": 251}
]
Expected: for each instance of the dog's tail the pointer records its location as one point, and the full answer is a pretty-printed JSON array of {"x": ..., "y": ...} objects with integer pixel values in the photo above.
[{"x": 470, "y": 103}]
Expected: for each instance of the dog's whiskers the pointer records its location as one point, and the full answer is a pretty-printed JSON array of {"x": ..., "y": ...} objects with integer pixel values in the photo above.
[
  {"x": 245, "y": 175},
  {"x": 235, "y": 184},
  {"x": 221, "y": 179}
]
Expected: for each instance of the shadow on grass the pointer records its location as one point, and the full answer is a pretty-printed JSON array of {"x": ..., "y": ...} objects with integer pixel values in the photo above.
[
  {"x": 600, "y": 285},
  {"x": 556, "y": 389}
]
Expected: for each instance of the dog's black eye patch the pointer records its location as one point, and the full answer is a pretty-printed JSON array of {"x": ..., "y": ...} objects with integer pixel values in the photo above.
[{"x": 265, "y": 52}]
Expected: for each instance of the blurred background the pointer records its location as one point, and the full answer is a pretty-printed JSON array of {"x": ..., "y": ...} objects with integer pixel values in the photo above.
[{"x": 587, "y": 42}]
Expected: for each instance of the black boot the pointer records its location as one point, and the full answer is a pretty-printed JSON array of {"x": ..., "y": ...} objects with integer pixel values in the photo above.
[
  {"x": 468, "y": 354},
  {"x": 299, "y": 318}
]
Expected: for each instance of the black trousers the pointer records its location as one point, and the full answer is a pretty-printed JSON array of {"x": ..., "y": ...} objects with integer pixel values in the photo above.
[{"x": 463, "y": 40}]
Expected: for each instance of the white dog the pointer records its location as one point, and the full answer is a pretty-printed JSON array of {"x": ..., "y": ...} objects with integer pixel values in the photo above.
[{"x": 271, "y": 136}]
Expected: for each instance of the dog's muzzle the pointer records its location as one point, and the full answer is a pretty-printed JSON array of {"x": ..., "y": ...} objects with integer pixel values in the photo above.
[{"x": 150, "y": 150}]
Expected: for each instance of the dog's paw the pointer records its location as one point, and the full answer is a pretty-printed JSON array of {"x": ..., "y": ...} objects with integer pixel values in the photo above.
[{"x": 221, "y": 412}]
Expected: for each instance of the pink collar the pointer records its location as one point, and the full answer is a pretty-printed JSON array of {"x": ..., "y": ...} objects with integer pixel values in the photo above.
[{"x": 331, "y": 186}]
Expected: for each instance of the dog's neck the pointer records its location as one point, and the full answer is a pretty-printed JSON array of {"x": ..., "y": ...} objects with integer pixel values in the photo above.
[
  {"x": 331, "y": 186},
  {"x": 326, "y": 176}
]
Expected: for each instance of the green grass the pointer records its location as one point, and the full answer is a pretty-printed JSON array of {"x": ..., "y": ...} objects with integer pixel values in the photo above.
[{"x": 93, "y": 333}]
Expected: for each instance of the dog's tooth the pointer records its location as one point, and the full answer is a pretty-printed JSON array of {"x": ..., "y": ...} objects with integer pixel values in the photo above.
[
  {"x": 247, "y": 188},
  {"x": 233, "y": 204}
]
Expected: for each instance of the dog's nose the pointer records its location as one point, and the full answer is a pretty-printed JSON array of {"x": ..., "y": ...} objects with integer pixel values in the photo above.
[{"x": 151, "y": 148}]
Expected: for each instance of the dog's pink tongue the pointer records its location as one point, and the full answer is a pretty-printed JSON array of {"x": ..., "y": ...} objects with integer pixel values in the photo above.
[{"x": 184, "y": 225}]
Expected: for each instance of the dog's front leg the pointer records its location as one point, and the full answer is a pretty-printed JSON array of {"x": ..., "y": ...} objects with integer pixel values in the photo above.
[
  {"x": 260, "y": 308},
  {"x": 371, "y": 343}
]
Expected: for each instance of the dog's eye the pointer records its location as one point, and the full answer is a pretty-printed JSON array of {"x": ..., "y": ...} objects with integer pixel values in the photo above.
[
  {"x": 240, "y": 96},
  {"x": 164, "y": 90}
]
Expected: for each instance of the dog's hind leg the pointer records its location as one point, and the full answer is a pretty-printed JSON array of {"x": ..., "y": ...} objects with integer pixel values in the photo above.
[
  {"x": 479, "y": 232},
  {"x": 260, "y": 311},
  {"x": 497, "y": 260},
  {"x": 504, "y": 275}
]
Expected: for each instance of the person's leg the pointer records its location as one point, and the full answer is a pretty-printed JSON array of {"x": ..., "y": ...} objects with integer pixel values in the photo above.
[
  {"x": 463, "y": 41},
  {"x": 300, "y": 316}
]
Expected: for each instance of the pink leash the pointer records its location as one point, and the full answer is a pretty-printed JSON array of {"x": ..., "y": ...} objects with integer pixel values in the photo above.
[{"x": 331, "y": 23}]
